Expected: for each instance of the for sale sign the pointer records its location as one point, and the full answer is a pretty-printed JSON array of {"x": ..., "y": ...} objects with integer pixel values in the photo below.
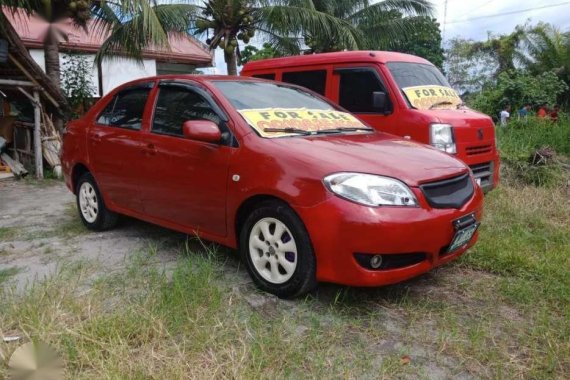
[
  {"x": 278, "y": 122},
  {"x": 426, "y": 97}
]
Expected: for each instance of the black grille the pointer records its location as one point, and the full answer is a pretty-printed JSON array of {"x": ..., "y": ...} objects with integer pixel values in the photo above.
[
  {"x": 391, "y": 261},
  {"x": 484, "y": 173},
  {"x": 449, "y": 193}
]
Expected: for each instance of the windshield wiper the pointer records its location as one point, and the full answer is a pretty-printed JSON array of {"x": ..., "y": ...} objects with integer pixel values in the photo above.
[
  {"x": 445, "y": 102},
  {"x": 287, "y": 130},
  {"x": 345, "y": 129}
]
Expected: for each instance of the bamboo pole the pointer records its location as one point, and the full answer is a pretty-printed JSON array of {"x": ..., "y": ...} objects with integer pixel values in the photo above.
[{"x": 37, "y": 136}]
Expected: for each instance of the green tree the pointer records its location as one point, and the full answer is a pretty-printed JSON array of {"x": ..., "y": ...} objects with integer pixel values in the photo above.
[
  {"x": 76, "y": 83},
  {"x": 547, "y": 48},
  {"x": 379, "y": 24},
  {"x": 251, "y": 53},
  {"x": 518, "y": 88},
  {"x": 424, "y": 40},
  {"x": 225, "y": 22}
]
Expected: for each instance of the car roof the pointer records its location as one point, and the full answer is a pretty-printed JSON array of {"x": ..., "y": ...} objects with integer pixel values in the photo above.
[
  {"x": 337, "y": 57},
  {"x": 193, "y": 77}
]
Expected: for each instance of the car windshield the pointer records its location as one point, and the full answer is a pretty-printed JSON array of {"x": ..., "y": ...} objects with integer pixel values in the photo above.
[
  {"x": 275, "y": 110},
  {"x": 424, "y": 85}
]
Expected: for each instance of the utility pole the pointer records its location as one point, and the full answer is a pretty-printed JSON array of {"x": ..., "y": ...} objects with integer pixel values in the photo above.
[{"x": 444, "y": 22}]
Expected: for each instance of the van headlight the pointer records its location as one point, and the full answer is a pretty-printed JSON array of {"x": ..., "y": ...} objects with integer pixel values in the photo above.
[
  {"x": 370, "y": 190},
  {"x": 441, "y": 137}
]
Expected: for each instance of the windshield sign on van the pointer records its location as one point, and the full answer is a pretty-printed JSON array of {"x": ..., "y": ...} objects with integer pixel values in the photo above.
[
  {"x": 279, "y": 122},
  {"x": 430, "y": 97}
]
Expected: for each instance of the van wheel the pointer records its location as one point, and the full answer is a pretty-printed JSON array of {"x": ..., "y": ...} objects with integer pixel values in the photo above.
[
  {"x": 92, "y": 210},
  {"x": 277, "y": 251}
]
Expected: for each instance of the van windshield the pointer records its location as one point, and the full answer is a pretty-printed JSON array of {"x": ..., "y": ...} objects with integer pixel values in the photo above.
[
  {"x": 275, "y": 110},
  {"x": 424, "y": 85}
]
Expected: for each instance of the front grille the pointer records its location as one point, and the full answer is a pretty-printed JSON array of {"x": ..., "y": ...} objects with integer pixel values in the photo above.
[
  {"x": 449, "y": 193},
  {"x": 481, "y": 149},
  {"x": 391, "y": 261},
  {"x": 484, "y": 173}
]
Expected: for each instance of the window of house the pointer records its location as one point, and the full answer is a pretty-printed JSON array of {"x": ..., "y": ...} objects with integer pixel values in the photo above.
[
  {"x": 270, "y": 76},
  {"x": 126, "y": 109},
  {"x": 177, "y": 104},
  {"x": 313, "y": 80},
  {"x": 356, "y": 88}
]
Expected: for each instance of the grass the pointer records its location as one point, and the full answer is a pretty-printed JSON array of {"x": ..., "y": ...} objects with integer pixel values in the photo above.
[
  {"x": 7, "y": 233},
  {"x": 7, "y": 273},
  {"x": 500, "y": 311}
]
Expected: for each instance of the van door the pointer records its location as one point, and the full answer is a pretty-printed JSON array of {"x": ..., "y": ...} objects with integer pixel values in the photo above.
[{"x": 353, "y": 88}]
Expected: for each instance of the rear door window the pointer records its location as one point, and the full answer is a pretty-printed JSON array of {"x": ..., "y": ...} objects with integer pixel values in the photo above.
[
  {"x": 126, "y": 109},
  {"x": 356, "y": 88},
  {"x": 313, "y": 80}
]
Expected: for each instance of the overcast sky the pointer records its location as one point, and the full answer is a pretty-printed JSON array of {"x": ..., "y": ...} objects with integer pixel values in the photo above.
[{"x": 468, "y": 18}]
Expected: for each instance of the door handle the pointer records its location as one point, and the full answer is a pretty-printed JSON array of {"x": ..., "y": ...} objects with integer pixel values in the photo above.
[{"x": 150, "y": 150}]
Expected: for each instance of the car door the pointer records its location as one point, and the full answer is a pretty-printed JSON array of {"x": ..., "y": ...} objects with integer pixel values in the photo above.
[
  {"x": 115, "y": 146},
  {"x": 352, "y": 88},
  {"x": 185, "y": 180}
]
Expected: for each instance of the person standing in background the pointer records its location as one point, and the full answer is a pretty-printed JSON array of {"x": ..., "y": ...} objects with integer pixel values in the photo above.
[
  {"x": 554, "y": 113},
  {"x": 542, "y": 111},
  {"x": 505, "y": 115},
  {"x": 523, "y": 112}
]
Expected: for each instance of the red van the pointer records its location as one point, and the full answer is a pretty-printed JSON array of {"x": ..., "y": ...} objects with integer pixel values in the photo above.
[{"x": 396, "y": 93}]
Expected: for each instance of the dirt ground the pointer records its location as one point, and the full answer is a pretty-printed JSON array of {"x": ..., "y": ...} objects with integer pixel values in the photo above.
[{"x": 41, "y": 232}]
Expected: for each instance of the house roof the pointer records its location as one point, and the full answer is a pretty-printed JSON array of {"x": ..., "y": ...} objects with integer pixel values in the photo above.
[
  {"x": 32, "y": 31},
  {"x": 22, "y": 67}
]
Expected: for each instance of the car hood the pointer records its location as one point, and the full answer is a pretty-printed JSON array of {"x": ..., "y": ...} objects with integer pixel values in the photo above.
[{"x": 375, "y": 153}]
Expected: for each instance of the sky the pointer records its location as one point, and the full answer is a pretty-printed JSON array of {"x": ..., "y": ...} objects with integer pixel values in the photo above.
[{"x": 473, "y": 19}]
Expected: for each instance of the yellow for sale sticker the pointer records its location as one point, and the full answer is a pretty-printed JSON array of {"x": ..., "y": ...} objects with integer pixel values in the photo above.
[
  {"x": 426, "y": 97},
  {"x": 269, "y": 121}
]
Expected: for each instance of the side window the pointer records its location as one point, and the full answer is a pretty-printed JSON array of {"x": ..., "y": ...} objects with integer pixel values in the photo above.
[
  {"x": 356, "y": 88},
  {"x": 313, "y": 80},
  {"x": 265, "y": 76},
  {"x": 126, "y": 109},
  {"x": 175, "y": 105}
]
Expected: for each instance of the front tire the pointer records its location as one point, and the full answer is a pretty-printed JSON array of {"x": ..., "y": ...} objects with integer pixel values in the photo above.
[
  {"x": 277, "y": 251},
  {"x": 91, "y": 206}
]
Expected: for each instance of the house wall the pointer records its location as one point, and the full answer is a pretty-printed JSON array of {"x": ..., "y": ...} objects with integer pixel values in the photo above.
[{"x": 115, "y": 71}]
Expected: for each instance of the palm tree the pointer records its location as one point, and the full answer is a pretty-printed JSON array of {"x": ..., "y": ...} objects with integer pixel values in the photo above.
[
  {"x": 379, "y": 24},
  {"x": 52, "y": 11},
  {"x": 282, "y": 23},
  {"x": 548, "y": 48}
]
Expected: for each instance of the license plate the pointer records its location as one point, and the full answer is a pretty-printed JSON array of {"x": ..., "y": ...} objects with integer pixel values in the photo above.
[{"x": 462, "y": 237}]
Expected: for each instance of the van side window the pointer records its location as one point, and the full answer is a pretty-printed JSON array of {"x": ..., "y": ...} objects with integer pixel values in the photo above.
[
  {"x": 313, "y": 80},
  {"x": 270, "y": 76},
  {"x": 126, "y": 109},
  {"x": 356, "y": 88},
  {"x": 175, "y": 105}
]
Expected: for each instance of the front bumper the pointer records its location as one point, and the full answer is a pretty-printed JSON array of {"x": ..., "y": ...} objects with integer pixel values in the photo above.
[{"x": 339, "y": 229}]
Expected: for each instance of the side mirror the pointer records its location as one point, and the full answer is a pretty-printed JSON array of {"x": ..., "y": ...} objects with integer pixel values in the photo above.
[
  {"x": 379, "y": 100},
  {"x": 201, "y": 130}
]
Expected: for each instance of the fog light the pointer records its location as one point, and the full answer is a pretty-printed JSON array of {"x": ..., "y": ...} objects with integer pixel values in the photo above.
[{"x": 376, "y": 261}]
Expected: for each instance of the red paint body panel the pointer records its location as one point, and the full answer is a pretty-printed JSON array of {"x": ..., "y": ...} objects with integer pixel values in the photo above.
[
  {"x": 190, "y": 186},
  {"x": 474, "y": 150}
]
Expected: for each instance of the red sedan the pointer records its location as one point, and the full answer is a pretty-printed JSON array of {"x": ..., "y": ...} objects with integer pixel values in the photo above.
[{"x": 303, "y": 189}]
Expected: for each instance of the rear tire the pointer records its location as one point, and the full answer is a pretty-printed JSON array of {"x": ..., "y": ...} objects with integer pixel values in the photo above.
[
  {"x": 277, "y": 251},
  {"x": 91, "y": 206}
]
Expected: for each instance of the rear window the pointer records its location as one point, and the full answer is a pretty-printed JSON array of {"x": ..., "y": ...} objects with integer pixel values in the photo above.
[
  {"x": 255, "y": 95},
  {"x": 314, "y": 80}
]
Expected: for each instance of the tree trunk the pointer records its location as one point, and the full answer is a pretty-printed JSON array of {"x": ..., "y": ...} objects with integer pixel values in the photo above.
[
  {"x": 231, "y": 62},
  {"x": 51, "y": 47}
]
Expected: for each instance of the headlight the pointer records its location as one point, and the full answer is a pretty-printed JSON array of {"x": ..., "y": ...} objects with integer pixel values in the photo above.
[
  {"x": 441, "y": 137},
  {"x": 370, "y": 190}
]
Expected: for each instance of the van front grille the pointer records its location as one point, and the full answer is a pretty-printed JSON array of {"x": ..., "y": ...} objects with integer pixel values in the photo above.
[
  {"x": 484, "y": 173},
  {"x": 449, "y": 193},
  {"x": 480, "y": 149}
]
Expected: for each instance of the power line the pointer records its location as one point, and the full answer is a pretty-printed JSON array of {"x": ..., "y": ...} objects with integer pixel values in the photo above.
[{"x": 508, "y": 13}]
